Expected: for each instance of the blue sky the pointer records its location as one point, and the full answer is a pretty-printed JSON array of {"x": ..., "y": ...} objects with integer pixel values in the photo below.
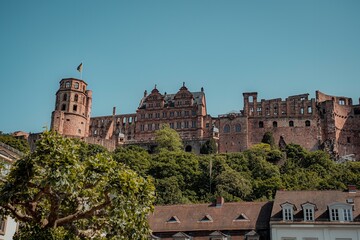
[{"x": 277, "y": 48}]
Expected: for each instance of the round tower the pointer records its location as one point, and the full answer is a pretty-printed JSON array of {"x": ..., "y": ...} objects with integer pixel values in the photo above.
[{"x": 72, "y": 108}]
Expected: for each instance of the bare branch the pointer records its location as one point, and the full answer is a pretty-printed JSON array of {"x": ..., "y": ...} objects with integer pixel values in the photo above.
[{"x": 17, "y": 214}]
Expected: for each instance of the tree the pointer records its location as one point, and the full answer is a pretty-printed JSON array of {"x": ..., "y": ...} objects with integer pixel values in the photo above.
[
  {"x": 58, "y": 193},
  {"x": 209, "y": 147},
  {"x": 269, "y": 139},
  {"x": 168, "y": 139},
  {"x": 135, "y": 157},
  {"x": 20, "y": 144}
]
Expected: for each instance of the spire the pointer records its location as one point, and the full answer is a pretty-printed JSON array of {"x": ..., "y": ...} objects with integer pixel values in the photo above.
[{"x": 145, "y": 93}]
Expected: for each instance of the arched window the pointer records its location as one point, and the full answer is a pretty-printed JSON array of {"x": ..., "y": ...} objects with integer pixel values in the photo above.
[
  {"x": 307, "y": 123},
  {"x": 76, "y": 85},
  {"x": 63, "y": 107},
  {"x": 74, "y": 108},
  {"x": 226, "y": 128},
  {"x": 275, "y": 124},
  {"x": 67, "y": 85},
  {"x": 76, "y": 97},
  {"x": 65, "y": 97},
  {"x": 291, "y": 123},
  {"x": 261, "y": 124},
  {"x": 237, "y": 128}
]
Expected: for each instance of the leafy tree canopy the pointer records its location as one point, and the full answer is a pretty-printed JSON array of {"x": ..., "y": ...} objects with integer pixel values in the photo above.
[
  {"x": 168, "y": 139},
  {"x": 20, "y": 144},
  {"x": 62, "y": 191}
]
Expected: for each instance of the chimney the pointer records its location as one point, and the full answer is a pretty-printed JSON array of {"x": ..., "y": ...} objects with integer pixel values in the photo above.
[
  {"x": 352, "y": 188},
  {"x": 114, "y": 111},
  {"x": 219, "y": 201}
]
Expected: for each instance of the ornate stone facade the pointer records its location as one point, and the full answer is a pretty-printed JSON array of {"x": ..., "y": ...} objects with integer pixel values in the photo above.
[{"x": 325, "y": 122}]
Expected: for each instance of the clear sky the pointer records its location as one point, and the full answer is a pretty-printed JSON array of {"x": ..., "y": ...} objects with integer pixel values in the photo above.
[{"x": 277, "y": 48}]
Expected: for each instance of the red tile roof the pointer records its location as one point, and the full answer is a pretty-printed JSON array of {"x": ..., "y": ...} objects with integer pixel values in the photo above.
[
  {"x": 321, "y": 199},
  {"x": 218, "y": 218}
]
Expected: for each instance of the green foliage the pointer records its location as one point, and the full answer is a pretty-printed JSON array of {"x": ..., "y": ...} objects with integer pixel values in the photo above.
[
  {"x": 63, "y": 190},
  {"x": 168, "y": 139},
  {"x": 19, "y": 144},
  {"x": 135, "y": 157},
  {"x": 268, "y": 138},
  {"x": 209, "y": 147}
]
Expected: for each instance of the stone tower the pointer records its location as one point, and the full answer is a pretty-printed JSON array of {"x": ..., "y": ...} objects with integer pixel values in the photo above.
[{"x": 72, "y": 108}]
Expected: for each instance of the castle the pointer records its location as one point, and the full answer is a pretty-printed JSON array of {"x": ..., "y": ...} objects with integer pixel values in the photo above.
[{"x": 326, "y": 122}]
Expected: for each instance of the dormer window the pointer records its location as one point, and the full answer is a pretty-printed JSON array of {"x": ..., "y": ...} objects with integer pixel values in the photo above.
[
  {"x": 181, "y": 236},
  {"x": 206, "y": 218},
  {"x": 309, "y": 211},
  {"x": 173, "y": 219},
  {"x": 217, "y": 235},
  {"x": 288, "y": 211},
  {"x": 340, "y": 212}
]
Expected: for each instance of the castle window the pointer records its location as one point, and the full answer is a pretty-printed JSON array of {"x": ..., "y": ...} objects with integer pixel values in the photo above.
[
  {"x": 76, "y": 98},
  {"x": 83, "y": 100},
  {"x": 67, "y": 85},
  {"x": 157, "y": 104},
  {"x": 150, "y": 115},
  {"x": 157, "y": 126},
  {"x": 275, "y": 124},
  {"x": 207, "y": 125},
  {"x": 301, "y": 110},
  {"x": 261, "y": 124},
  {"x": 164, "y": 114},
  {"x": 142, "y": 116},
  {"x": 76, "y": 85},
  {"x": 157, "y": 115},
  {"x": 172, "y": 125},
  {"x": 193, "y": 112},
  {"x": 83, "y": 88},
  {"x": 237, "y": 128},
  {"x": 142, "y": 127},
  {"x": 258, "y": 110},
  {"x": 178, "y": 113},
  {"x": 193, "y": 124},
  {"x": 186, "y": 124},
  {"x": 275, "y": 110},
  {"x": 178, "y": 125},
  {"x": 186, "y": 113},
  {"x": 267, "y": 112},
  {"x": 226, "y": 128},
  {"x": 291, "y": 123},
  {"x": 75, "y": 108},
  {"x": 348, "y": 140},
  {"x": 309, "y": 109},
  {"x": 63, "y": 107},
  {"x": 307, "y": 123},
  {"x": 342, "y": 101},
  {"x": 149, "y": 127},
  {"x": 79, "y": 130},
  {"x": 171, "y": 114},
  {"x": 65, "y": 97}
]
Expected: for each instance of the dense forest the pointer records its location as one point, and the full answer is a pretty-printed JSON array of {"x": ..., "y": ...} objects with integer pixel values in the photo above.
[{"x": 252, "y": 175}]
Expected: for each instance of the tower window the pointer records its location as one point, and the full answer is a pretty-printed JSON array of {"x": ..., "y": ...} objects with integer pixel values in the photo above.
[
  {"x": 76, "y": 97},
  {"x": 67, "y": 85},
  {"x": 307, "y": 123},
  {"x": 226, "y": 128},
  {"x": 75, "y": 108},
  {"x": 63, "y": 107},
  {"x": 76, "y": 85},
  {"x": 309, "y": 109},
  {"x": 65, "y": 97},
  {"x": 261, "y": 124},
  {"x": 275, "y": 124},
  {"x": 237, "y": 128}
]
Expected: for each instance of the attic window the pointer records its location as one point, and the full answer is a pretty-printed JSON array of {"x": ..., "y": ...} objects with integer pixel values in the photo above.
[
  {"x": 173, "y": 219},
  {"x": 206, "y": 218},
  {"x": 242, "y": 217}
]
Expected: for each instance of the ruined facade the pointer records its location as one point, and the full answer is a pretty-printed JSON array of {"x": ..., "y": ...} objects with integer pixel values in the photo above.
[{"x": 325, "y": 122}]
